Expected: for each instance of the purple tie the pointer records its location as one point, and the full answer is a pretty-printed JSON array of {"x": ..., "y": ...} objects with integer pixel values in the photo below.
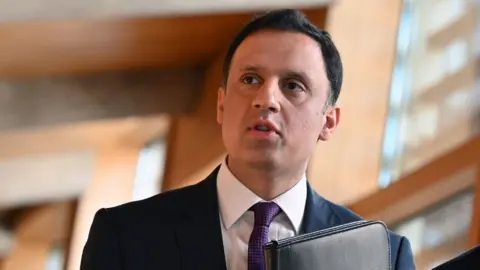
[{"x": 265, "y": 212}]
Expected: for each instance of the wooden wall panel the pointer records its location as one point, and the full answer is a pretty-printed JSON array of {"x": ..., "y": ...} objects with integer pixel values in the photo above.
[
  {"x": 195, "y": 142},
  {"x": 430, "y": 185},
  {"x": 346, "y": 168},
  {"x": 474, "y": 235},
  {"x": 37, "y": 232}
]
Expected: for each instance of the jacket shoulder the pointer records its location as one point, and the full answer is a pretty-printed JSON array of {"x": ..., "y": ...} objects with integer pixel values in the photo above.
[
  {"x": 345, "y": 215},
  {"x": 167, "y": 205}
]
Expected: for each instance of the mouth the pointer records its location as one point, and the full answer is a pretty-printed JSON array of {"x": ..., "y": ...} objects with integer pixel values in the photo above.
[{"x": 265, "y": 127}]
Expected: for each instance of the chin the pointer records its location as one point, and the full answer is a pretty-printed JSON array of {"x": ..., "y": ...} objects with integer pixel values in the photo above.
[{"x": 262, "y": 160}]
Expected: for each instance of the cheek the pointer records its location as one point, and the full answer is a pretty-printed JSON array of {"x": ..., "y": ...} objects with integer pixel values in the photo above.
[
  {"x": 232, "y": 117},
  {"x": 302, "y": 138},
  {"x": 311, "y": 129},
  {"x": 305, "y": 127},
  {"x": 231, "y": 112},
  {"x": 229, "y": 129}
]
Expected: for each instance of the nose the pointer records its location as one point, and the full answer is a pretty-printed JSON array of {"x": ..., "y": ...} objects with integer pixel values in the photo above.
[{"x": 267, "y": 98}]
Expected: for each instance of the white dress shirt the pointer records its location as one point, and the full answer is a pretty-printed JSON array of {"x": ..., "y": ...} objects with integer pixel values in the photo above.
[{"x": 237, "y": 221}]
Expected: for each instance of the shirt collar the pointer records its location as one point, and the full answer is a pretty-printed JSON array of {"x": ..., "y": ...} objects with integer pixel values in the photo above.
[{"x": 235, "y": 199}]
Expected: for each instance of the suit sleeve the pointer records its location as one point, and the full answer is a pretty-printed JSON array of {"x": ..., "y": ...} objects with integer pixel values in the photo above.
[
  {"x": 102, "y": 249},
  {"x": 405, "y": 259}
]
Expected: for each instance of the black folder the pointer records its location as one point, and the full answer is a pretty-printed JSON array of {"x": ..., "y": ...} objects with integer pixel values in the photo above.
[{"x": 361, "y": 245}]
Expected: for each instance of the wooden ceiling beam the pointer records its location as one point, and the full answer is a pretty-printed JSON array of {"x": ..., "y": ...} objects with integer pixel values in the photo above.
[
  {"x": 135, "y": 131},
  {"x": 66, "y": 47},
  {"x": 34, "y": 103},
  {"x": 51, "y": 9},
  {"x": 46, "y": 48},
  {"x": 58, "y": 72}
]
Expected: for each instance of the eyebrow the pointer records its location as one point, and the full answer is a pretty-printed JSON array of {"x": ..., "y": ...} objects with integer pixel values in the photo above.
[
  {"x": 296, "y": 74},
  {"x": 251, "y": 68},
  {"x": 287, "y": 72}
]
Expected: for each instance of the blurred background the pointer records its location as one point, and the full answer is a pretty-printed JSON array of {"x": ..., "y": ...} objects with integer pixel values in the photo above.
[{"x": 104, "y": 102}]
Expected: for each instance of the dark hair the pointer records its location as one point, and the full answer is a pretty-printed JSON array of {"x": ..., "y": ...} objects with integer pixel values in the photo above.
[{"x": 295, "y": 21}]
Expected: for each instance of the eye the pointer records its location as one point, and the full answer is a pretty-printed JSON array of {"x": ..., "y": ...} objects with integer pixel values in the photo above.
[
  {"x": 293, "y": 85},
  {"x": 250, "y": 79}
]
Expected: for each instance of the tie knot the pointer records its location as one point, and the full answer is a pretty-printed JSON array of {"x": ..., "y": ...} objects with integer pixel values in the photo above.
[{"x": 265, "y": 212}]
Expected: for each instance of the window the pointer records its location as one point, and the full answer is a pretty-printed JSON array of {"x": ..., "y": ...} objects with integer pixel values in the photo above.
[
  {"x": 424, "y": 99},
  {"x": 398, "y": 95},
  {"x": 439, "y": 234},
  {"x": 56, "y": 259},
  {"x": 150, "y": 168}
]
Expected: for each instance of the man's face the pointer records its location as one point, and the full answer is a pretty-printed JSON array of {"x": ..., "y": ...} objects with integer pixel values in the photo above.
[{"x": 274, "y": 108}]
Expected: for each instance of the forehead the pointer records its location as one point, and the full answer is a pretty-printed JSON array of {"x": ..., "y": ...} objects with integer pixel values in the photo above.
[{"x": 277, "y": 51}]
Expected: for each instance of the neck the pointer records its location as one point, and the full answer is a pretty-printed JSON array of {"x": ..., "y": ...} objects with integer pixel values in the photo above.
[{"x": 265, "y": 183}]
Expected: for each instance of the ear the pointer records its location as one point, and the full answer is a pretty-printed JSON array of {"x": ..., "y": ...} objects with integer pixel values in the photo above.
[
  {"x": 220, "y": 99},
  {"x": 332, "y": 118}
]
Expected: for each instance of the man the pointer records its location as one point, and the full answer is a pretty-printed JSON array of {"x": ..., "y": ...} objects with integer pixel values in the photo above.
[
  {"x": 282, "y": 78},
  {"x": 468, "y": 260}
]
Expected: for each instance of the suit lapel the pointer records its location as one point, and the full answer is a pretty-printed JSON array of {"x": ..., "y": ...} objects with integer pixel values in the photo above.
[
  {"x": 199, "y": 235},
  {"x": 318, "y": 215}
]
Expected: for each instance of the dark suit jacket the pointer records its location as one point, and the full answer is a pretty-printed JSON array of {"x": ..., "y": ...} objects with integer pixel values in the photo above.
[
  {"x": 181, "y": 229},
  {"x": 469, "y": 260}
]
